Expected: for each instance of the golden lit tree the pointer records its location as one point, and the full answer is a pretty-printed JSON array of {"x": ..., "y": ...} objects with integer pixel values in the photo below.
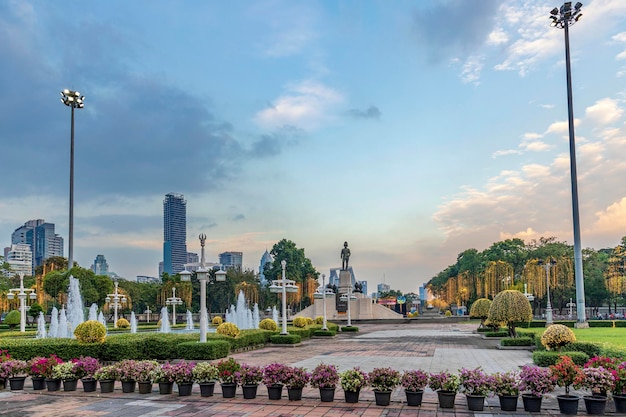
[
  {"x": 250, "y": 291},
  {"x": 616, "y": 272},
  {"x": 499, "y": 276},
  {"x": 509, "y": 307}
]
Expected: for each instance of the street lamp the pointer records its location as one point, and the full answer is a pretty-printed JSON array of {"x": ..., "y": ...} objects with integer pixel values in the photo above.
[
  {"x": 174, "y": 301},
  {"x": 202, "y": 274},
  {"x": 117, "y": 302},
  {"x": 563, "y": 18},
  {"x": 22, "y": 293},
  {"x": 348, "y": 297},
  {"x": 324, "y": 327},
  {"x": 284, "y": 286},
  {"x": 547, "y": 266},
  {"x": 147, "y": 312},
  {"x": 74, "y": 100}
]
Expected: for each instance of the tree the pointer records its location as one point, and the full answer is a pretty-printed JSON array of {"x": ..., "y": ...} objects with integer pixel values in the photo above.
[
  {"x": 509, "y": 307},
  {"x": 12, "y": 319},
  {"x": 35, "y": 309},
  {"x": 480, "y": 309}
]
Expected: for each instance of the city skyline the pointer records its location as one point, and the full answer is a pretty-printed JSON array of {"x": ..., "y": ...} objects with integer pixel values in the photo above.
[{"x": 412, "y": 131}]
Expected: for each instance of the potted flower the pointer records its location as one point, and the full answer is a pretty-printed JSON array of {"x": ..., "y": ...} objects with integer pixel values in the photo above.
[
  {"x": 383, "y": 381},
  {"x": 506, "y": 386},
  {"x": 352, "y": 381},
  {"x": 566, "y": 372},
  {"x": 414, "y": 381},
  {"x": 619, "y": 387},
  {"x": 249, "y": 377},
  {"x": 84, "y": 368},
  {"x": 296, "y": 379},
  {"x": 127, "y": 374},
  {"x": 599, "y": 381},
  {"x": 164, "y": 376},
  {"x": 106, "y": 375},
  {"x": 15, "y": 370},
  {"x": 41, "y": 368},
  {"x": 205, "y": 374},
  {"x": 143, "y": 374},
  {"x": 535, "y": 382},
  {"x": 325, "y": 377},
  {"x": 226, "y": 370},
  {"x": 446, "y": 385},
  {"x": 274, "y": 379},
  {"x": 182, "y": 372},
  {"x": 476, "y": 385},
  {"x": 65, "y": 372}
]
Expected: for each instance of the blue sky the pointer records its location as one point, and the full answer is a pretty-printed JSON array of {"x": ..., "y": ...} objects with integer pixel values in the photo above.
[{"x": 413, "y": 130}]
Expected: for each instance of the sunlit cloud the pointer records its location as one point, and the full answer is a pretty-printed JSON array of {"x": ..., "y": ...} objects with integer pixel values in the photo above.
[{"x": 604, "y": 112}]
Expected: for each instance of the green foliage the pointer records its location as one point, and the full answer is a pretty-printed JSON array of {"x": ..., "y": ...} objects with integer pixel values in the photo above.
[
  {"x": 298, "y": 265},
  {"x": 90, "y": 331},
  {"x": 300, "y": 322},
  {"x": 590, "y": 348},
  {"x": 324, "y": 333},
  {"x": 319, "y": 320},
  {"x": 119, "y": 347},
  {"x": 212, "y": 349},
  {"x": 122, "y": 323},
  {"x": 509, "y": 307},
  {"x": 567, "y": 323},
  {"x": 516, "y": 341},
  {"x": 12, "y": 318},
  {"x": 557, "y": 336},
  {"x": 288, "y": 339},
  {"x": 217, "y": 320},
  {"x": 35, "y": 309},
  {"x": 480, "y": 308},
  {"x": 348, "y": 329},
  {"x": 228, "y": 329},
  {"x": 304, "y": 332},
  {"x": 268, "y": 324},
  {"x": 500, "y": 333},
  {"x": 547, "y": 358},
  {"x": 600, "y": 323},
  {"x": 531, "y": 335}
]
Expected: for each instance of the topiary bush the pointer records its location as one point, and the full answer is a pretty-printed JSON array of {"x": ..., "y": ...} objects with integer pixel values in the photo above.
[
  {"x": 319, "y": 320},
  {"x": 286, "y": 339},
  {"x": 217, "y": 320},
  {"x": 544, "y": 358},
  {"x": 480, "y": 310},
  {"x": 509, "y": 307},
  {"x": 122, "y": 323},
  {"x": 300, "y": 322},
  {"x": 12, "y": 319},
  {"x": 557, "y": 336},
  {"x": 346, "y": 329},
  {"x": 448, "y": 313},
  {"x": 90, "y": 331},
  {"x": 309, "y": 321},
  {"x": 228, "y": 329},
  {"x": 268, "y": 324}
]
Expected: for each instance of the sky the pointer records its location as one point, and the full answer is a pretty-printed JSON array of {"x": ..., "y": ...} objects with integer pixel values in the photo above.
[{"x": 412, "y": 130}]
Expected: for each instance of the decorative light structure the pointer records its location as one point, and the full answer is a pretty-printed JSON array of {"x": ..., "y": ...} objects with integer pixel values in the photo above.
[
  {"x": 22, "y": 293},
  {"x": 348, "y": 297},
  {"x": 74, "y": 100},
  {"x": 174, "y": 301},
  {"x": 563, "y": 18},
  {"x": 117, "y": 299},
  {"x": 547, "y": 266},
  {"x": 202, "y": 274},
  {"x": 284, "y": 286}
]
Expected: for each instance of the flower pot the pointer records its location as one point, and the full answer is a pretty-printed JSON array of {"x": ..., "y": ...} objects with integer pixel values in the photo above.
[
  {"x": 70, "y": 384},
  {"x": 107, "y": 385},
  {"x": 145, "y": 387},
  {"x": 294, "y": 394},
  {"x": 475, "y": 402},
  {"x": 446, "y": 398},
  {"x": 184, "y": 389},
  {"x": 414, "y": 398},
  {"x": 165, "y": 388},
  {"x": 508, "y": 402},
  {"x": 53, "y": 384},
  {"x": 207, "y": 389},
  {"x": 229, "y": 390},
  {"x": 17, "y": 383},
  {"x": 327, "y": 395},
  {"x": 568, "y": 404},
  {"x": 3, "y": 383},
  {"x": 532, "y": 403},
  {"x": 620, "y": 403},
  {"x": 89, "y": 384},
  {"x": 382, "y": 398},
  {"x": 39, "y": 383},
  {"x": 275, "y": 392},
  {"x": 128, "y": 386},
  {"x": 595, "y": 404},
  {"x": 352, "y": 396},
  {"x": 249, "y": 391}
]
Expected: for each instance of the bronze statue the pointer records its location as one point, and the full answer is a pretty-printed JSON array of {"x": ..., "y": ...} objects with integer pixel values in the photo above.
[{"x": 345, "y": 256}]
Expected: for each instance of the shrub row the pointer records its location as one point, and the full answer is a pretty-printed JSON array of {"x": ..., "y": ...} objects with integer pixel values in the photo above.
[
  {"x": 590, "y": 348},
  {"x": 501, "y": 333},
  {"x": 287, "y": 339},
  {"x": 547, "y": 358},
  {"x": 516, "y": 341},
  {"x": 327, "y": 333},
  {"x": 345, "y": 329},
  {"x": 530, "y": 334},
  {"x": 607, "y": 323}
]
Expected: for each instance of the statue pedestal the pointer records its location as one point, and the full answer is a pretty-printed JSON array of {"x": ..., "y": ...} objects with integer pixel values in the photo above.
[{"x": 345, "y": 281}]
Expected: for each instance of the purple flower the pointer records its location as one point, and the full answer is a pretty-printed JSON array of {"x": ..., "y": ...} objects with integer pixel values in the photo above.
[
  {"x": 324, "y": 376},
  {"x": 536, "y": 380}
]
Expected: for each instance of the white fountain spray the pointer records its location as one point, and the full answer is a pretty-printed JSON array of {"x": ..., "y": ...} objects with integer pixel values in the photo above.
[
  {"x": 62, "y": 333},
  {"x": 93, "y": 312},
  {"x": 189, "y": 321},
  {"x": 275, "y": 314},
  {"x": 241, "y": 315},
  {"x": 102, "y": 320},
  {"x": 53, "y": 331},
  {"x": 165, "y": 321},
  {"x": 75, "y": 312},
  {"x": 133, "y": 322},
  {"x": 41, "y": 326}
]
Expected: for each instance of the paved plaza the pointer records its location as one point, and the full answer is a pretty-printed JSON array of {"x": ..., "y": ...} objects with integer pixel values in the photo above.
[{"x": 419, "y": 344}]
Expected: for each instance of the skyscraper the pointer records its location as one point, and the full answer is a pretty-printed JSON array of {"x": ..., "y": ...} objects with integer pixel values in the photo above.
[
  {"x": 174, "y": 233},
  {"x": 100, "y": 265},
  {"x": 44, "y": 243},
  {"x": 266, "y": 258},
  {"x": 231, "y": 259}
]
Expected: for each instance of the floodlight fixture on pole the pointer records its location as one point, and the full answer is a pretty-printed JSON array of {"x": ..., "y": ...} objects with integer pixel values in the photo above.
[
  {"x": 563, "y": 18},
  {"x": 74, "y": 100}
]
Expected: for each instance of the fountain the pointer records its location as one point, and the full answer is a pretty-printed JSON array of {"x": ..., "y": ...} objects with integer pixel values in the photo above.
[
  {"x": 102, "y": 320},
  {"x": 75, "y": 313},
  {"x": 63, "y": 326},
  {"x": 41, "y": 326},
  {"x": 165, "y": 321},
  {"x": 241, "y": 315},
  {"x": 53, "y": 331},
  {"x": 93, "y": 312},
  {"x": 133, "y": 322},
  {"x": 275, "y": 314},
  {"x": 189, "y": 321}
]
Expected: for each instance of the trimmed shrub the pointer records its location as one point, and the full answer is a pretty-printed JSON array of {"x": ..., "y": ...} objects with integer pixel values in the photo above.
[
  {"x": 568, "y": 323},
  {"x": 304, "y": 332},
  {"x": 217, "y": 320},
  {"x": 600, "y": 323},
  {"x": 324, "y": 333},
  {"x": 590, "y": 348},
  {"x": 12, "y": 319},
  {"x": 90, "y": 331},
  {"x": 319, "y": 320},
  {"x": 537, "y": 323},
  {"x": 480, "y": 309},
  {"x": 212, "y": 349},
  {"x": 448, "y": 313},
  {"x": 288, "y": 339},
  {"x": 228, "y": 329},
  {"x": 346, "y": 329},
  {"x": 516, "y": 341},
  {"x": 557, "y": 336},
  {"x": 268, "y": 324},
  {"x": 309, "y": 321},
  {"x": 122, "y": 323},
  {"x": 547, "y": 358},
  {"x": 523, "y": 333},
  {"x": 300, "y": 322},
  {"x": 510, "y": 307},
  {"x": 120, "y": 347},
  {"x": 502, "y": 333}
]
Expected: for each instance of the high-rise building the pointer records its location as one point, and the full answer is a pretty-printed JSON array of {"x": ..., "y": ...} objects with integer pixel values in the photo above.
[
  {"x": 266, "y": 258},
  {"x": 44, "y": 243},
  {"x": 174, "y": 233},
  {"x": 231, "y": 259},
  {"x": 100, "y": 265},
  {"x": 20, "y": 258}
]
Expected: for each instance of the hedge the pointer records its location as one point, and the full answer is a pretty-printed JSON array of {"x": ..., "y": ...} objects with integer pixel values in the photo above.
[
  {"x": 65, "y": 349},
  {"x": 501, "y": 333},
  {"x": 547, "y": 358},
  {"x": 524, "y": 333},
  {"x": 569, "y": 323},
  {"x": 327, "y": 333},
  {"x": 347, "y": 329},
  {"x": 286, "y": 339},
  {"x": 212, "y": 349},
  {"x": 590, "y": 348},
  {"x": 607, "y": 323},
  {"x": 516, "y": 341}
]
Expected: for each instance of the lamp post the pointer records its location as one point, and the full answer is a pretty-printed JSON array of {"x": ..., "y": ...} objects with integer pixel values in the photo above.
[
  {"x": 147, "y": 313},
  {"x": 324, "y": 326},
  {"x": 74, "y": 100},
  {"x": 202, "y": 274},
  {"x": 22, "y": 293},
  {"x": 174, "y": 301},
  {"x": 563, "y": 18},
  {"x": 348, "y": 296},
  {"x": 547, "y": 266},
  {"x": 284, "y": 286},
  {"x": 117, "y": 302}
]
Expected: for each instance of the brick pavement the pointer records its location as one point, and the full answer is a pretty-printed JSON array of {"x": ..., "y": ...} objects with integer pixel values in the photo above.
[{"x": 424, "y": 345}]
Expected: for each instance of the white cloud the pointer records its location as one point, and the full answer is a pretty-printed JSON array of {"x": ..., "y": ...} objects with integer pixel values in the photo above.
[
  {"x": 471, "y": 69},
  {"x": 561, "y": 127},
  {"x": 536, "y": 146},
  {"x": 506, "y": 152},
  {"x": 613, "y": 218},
  {"x": 620, "y": 37},
  {"x": 604, "y": 112},
  {"x": 497, "y": 37},
  {"x": 547, "y": 106}
]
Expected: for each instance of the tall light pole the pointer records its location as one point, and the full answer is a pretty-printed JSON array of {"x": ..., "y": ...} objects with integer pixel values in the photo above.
[
  {"x": 174, "y": 301},
  {"x": 22, "y": 293},
  {"x": 324, "y": 326},
  {"x": 283, "y": 264},
  {"x": 202, "y": 275},
  {"x": 563, "y": 18},
  {"x": 74, "y": 100},
  {"x": 117, "y": 300},
  {"x": 547, "y": 266}
]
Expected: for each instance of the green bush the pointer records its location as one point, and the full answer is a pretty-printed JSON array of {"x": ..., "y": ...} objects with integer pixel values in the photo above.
[
  {"x": 212, "y": 349},
  {"x": 480, "y": 309},
  {"x": 12, "y": 319},
  {"x": 547, "y": 358},
  {"x": 557, "y": 336},
  {"x": 323, "y": 333},
  {"x": 531, "y": 335},
  {"x": 228, "y": 329},
  {"x": 288, "y": 339},
  {"x": 613, "y": 351},
  {"x": 304, "y": 333},
  {"x": 600, "y": 323},
  {"x": 300, "y": 322},
  {"x": 122, "y": 323},
  {"x": 119, "y": 347},
  {"x": 537, "y": 323},
  {"x": 347, "y": 329},
  {"x": 268, "y": 324},
  {"x": 510, "y": 307},
  {"x": 90, "y": 331},
  {"x": 66, "y": 349},
  {"x": 590, "y": 348},
  {"x": 516, "y": 341},
  {"x": 502, "y": 333},
  {"x": 319, "y": 320},
  {"x": 568, "y": 323}
]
